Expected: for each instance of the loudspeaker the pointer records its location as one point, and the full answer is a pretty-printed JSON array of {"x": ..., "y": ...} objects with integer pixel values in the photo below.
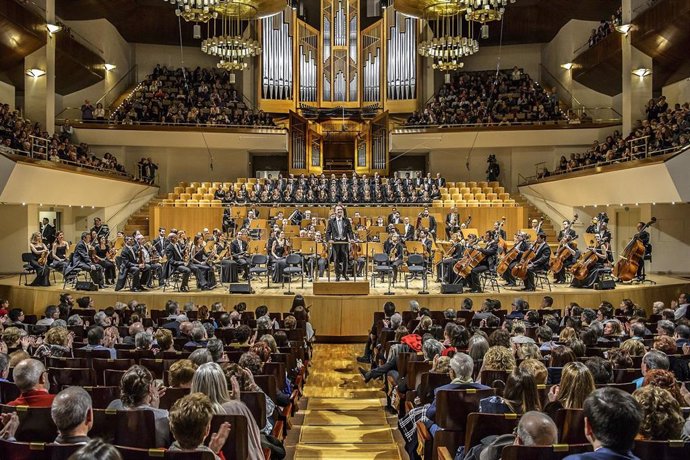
[
  {"x": 85, "y": 286},
  {"x": 451, "y": 288},
  {"x": 240, "y": 288},
  {"x": 604, "y": 284}
]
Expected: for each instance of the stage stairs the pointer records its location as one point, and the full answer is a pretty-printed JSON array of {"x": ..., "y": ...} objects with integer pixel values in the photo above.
[{"x": 139, "y": 220}]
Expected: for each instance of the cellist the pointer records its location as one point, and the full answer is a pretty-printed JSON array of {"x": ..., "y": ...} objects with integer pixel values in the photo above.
[
  {"x": 566, "y": 237},
  {"x": 539, "y": 263},
  {"x": 445, "y": 272},
  {"x": 643, "y": 236},
  {"x": 521, "y": 245},
  {"x": 489, "y": 252},
  {"x": 602, "y": 251}
]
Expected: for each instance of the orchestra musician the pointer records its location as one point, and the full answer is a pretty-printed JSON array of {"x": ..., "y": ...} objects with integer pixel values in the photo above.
[
  {"x": 103, "y": 256},
  {"x": 395, "y": 250},
  {"x": 452, "y": 222},
  {"x": 338, "y": 234},
  {"x": 540, "y": 263},
  {"x": 239, "y": 251},
  {"x": 160, "y": 243},
  {"x": 408, "y": 230},
  {"x": 445, "y": 271},
  {"x": 152, "y": 258},
  {"x": 132, "y": 262},
  {"x": 175, "y": 253},
  {"x": 394, "y": 217},
  {"x": 489, "y": 251},
  {"x": 432, "y": 222},
  {"x": 602, "y": 250},
  {"x": 39, "y": 260},
  {"x": 47, "y": 232},
  {"x": 427, "y": 243},
  {"x": 82, "y": 260},
  {"x": 279, "y": 252},
  {"x": 317, "y": 262},
  {"x": 198, "y": 263},
  {"x": 535, "y": 225},
  {"x": 100, "y": 228},
  {"x": 566, "y": 236},
  {"x": 521, "y": 245},
  {"x": 59, "y": 253},
  {"x": 497, "y": 229},
  {"x": 643, "y": 236}
]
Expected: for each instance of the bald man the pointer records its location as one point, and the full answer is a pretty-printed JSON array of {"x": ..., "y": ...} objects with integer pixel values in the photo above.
[{"x": 535, "y": 429}]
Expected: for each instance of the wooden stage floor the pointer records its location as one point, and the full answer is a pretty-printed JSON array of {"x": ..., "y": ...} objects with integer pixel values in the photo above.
[{"x": 348, "y": 316}]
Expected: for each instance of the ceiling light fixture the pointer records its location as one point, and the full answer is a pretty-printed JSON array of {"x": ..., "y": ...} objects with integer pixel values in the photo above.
[
  {"x": 110, "y": 67},
  {"x": 568, "y": 65},
  {"x": 35, "y": 73},
  {"x": 53, "y": 28},
  {"x": 624, "y": 29},
  {"x": 642, "y": 72}
]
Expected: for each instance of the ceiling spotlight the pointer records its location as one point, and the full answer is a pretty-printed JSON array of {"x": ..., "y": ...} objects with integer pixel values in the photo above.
[
  {"x": 642, "y": 72},
  {"x": 110, "y": 67},
  {"x": 53, "y": 28},
  {"x": 35, "y": 73},
  {"x": 384, "y": 4},
  {"x": 568, "y": 65},
  {"x": 624, "y": 29}
]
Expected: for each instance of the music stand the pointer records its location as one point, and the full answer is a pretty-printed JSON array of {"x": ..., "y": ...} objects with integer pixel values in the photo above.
[
  {"x": 259, "y": 225},
  {"x": 257, "y": 247},
  {"x": 372, "y": 248}
]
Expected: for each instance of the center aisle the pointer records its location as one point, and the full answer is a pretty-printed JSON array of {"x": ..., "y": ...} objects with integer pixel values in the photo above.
[{"x": 344, "y": 418}]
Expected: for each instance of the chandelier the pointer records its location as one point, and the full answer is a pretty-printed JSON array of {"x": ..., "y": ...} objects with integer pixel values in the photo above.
[
  {"x": 195, "y": 10},
  {"x": 484, "y": 11},
  {"x": 229, "y": 34},
  {"x": 453, "y": 35}
]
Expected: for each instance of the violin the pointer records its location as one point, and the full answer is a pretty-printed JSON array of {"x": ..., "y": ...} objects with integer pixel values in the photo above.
[
  {"x": 633, "y": 254},
  {"x": 355, "y": 250}
]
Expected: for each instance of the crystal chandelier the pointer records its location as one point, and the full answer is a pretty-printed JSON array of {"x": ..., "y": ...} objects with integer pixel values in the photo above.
[
  {"x": 484, "y": 11},
  {"x": 195, "y": 10},
  {"x": 453, "y": 35}
]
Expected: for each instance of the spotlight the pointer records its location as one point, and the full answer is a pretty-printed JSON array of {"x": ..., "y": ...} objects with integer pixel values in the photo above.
[
  {"x": 568, "y": 65},
  {"x": 53, "y": 28},
  {"x": 642, "y": 72},
  {"x": 110, "y": 67},
  {"x": 35, "y": 73}
]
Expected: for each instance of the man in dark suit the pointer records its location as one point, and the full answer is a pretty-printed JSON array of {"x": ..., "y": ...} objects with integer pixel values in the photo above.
[
  {"x": 130, "y": 263},
  {"x": 100, "y": 228},
  {"x": 338, "y": 233},
  {"x": 489, "y": 252},
  {"x": 432, "y": 223},
  {"x": 643, "y": 236},
  {"x": 47, "y": 232},
  {"x": 176, "y": 262},
  {"x": 540, "y": 262},
  {"x": 238, "y": 249},
  {"x": 408, "y": 230},
  {"x": 82, "y": 261},
  {"x": 612, "y": 420},
  {"x": 160, "y": 243},
  {"x": 440, "y": 181}
]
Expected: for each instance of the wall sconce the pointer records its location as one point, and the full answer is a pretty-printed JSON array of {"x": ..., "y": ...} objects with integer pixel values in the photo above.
[
  {"x": 624, "y": 29},
  {"x": 110, "y": 67},
  {"x": 568, "y": 65},
  {"x": 642, "y": 72},
  {"x": 35, "y": 73},
  {"x": 53, "y": 28}
]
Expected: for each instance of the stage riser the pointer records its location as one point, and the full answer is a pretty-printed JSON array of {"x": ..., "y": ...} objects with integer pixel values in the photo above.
[{"x": 346, "y": 316}]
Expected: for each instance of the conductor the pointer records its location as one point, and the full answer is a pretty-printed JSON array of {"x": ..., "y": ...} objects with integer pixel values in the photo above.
[{"x": 338, "y": 234}]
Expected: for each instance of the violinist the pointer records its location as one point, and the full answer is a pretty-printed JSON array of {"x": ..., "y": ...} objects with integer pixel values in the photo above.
[
  {"x": 426, "y": 241},
  {"x": 643, "y": 236},
  {"x": 539, "y": 263},
  {"x": 602, "y": 251},
  {"x": 131, "y": 263},
  {"x": 198, "y": 263},
  {"x": 39, "y": 260},
  {"x": 604, "y": 232},
  {"x": 394, "y": 248},
  {"x": 59, "y": 252},
  {"x": 489, "y": 252},
  {"x": 317, "y": 263},
  {"x": 452, "y": 222},
  {"x": 521, "y": 245},
  {"x": 445, "y": 271},
  {"x": 152, "y": 258},
  {"x": 102, "y": 251},
  {"x": 239, "y": 252},
  {"x": 279, "y": 252}
]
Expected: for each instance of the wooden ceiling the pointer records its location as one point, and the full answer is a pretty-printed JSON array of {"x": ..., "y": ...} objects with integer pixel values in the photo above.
[
  {"x": 662, "y": 33},
  {"x": 22, "y": 32},
  {"x": 154, "y": 21}
]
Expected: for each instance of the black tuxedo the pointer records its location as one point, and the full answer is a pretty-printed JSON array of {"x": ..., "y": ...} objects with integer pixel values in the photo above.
[
  {"x": 489, "y": 254},
  {"x": 103, "y": 230},
  {"x": 339, "y": 233},
  {"x": 238, "y": 249},
  {"x": 82, "y": 261},
  {"x": 408, "y": 232},
  {"x": 129, "y": 263},
  {"x": 540, "y": 263},
  {"x": 176, "y": 264},
  {"x": 48, "y": 235}
]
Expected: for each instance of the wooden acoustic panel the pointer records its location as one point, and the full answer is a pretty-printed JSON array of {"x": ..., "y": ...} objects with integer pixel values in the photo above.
[{"x": 341, "y": 288}]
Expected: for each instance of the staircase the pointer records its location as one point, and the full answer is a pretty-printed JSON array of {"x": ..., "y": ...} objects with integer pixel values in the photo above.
[
  {"x": 534, "y": 213},
  {"x": 139, "y": 220}
]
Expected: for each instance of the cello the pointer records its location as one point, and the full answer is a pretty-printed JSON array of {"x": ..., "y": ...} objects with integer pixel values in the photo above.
[
  {"x": 564, "y": 251},
  {"x": 626, "y": 268},
  {"x": 584, "y": 264},
  {"x": 470, "y": 259},
  {"x": 509, "y": 258}
]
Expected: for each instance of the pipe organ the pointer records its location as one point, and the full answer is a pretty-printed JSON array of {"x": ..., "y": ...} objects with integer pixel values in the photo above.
[
  {"x": 277, "y": 63},
  {"x": 401, "y": 58}
]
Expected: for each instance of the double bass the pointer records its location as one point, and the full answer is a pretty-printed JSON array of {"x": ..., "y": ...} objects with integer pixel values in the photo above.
[
  {"x": 584, "y": 264},
  {"x": 563, "y": 252},
  {"x": 626, "y": 268}
]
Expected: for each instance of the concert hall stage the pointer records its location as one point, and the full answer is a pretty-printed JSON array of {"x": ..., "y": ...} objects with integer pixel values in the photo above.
[{"x": 347, "y": 317}]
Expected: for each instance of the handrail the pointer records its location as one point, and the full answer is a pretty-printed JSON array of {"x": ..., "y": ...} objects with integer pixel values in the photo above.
[
  {"x": 543, "y": 200},
  {"x": 126, "y": 75},
  {"x": 495, "y": 124},
  {"x": 155, "y": 123},
  {"x": 558, "y": 82}
]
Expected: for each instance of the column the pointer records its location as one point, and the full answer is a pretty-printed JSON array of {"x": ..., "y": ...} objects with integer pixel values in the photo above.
[{"x": 636, "y": 90}]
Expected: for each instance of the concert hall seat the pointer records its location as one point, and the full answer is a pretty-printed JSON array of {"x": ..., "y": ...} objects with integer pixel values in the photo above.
[
  {"x": 662, "y": 450},
  {"x": 192, "y": 203},
  {"x": 204, "y": 203},
  {"x": 171, "y": 395},
  {"x": 472, "y": 203},
  {"x": 481, "y": 425},
  {"x": 180, "y": 203},
  {"x": 216, "y": 204},
  {"x": 461, "y": 204},
  {"x": 60, "y": 378},
  {"x": 102, "y": 396},
  {"x": 448, "y": 204},
  {"x": 24, "y": 450},
  {"x": 555, "y": 452},
  {"x": 113, "y": 377},
  {"x": 453, "y": 190},
  {"x": 467, "y": 196},
  {"x": 571, "y": 426},
  {"x": 35, "y": 423},
  {"x": 8, "y": 392},
  {"x": 101, "y": 365},
  {"x": 236, "y": 447}
]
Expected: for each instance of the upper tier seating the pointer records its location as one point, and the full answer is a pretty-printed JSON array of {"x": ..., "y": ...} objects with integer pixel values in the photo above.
[
  {"x": 184, "y": 96},
  {"x": 489, "y": 98}
]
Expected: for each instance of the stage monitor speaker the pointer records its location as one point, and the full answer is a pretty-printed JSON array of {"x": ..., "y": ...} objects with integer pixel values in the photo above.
[
  {"x": 240, "y": 288},
  {"x": 604, "y": 284},
  {"x": 85, "y": 286},
  {"x": 451, "y": 288}
]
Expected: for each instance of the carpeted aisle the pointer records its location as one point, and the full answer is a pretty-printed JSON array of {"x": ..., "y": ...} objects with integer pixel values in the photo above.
[{"x": 343, "y": 417}]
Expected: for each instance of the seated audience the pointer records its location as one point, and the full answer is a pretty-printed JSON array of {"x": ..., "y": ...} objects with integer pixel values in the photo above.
[
  {"x": 662, "y": 418},
  {"x": 72, "y": 413},
  {"x": 31, "y": 378},
  {"x": 190, "y": 424}
]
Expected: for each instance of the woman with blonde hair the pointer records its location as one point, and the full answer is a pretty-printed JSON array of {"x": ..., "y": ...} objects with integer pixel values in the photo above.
[
  {"x": 567, "y": 334},
  {"x": 57, "y": 343},
  {"x": 576, "y": 384},
  {"x": 662, "y": 418},
  {"x": 633, "y": 347},
  {"x": 209, "y": 379},
  {"x": 39, "y": 251}
]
